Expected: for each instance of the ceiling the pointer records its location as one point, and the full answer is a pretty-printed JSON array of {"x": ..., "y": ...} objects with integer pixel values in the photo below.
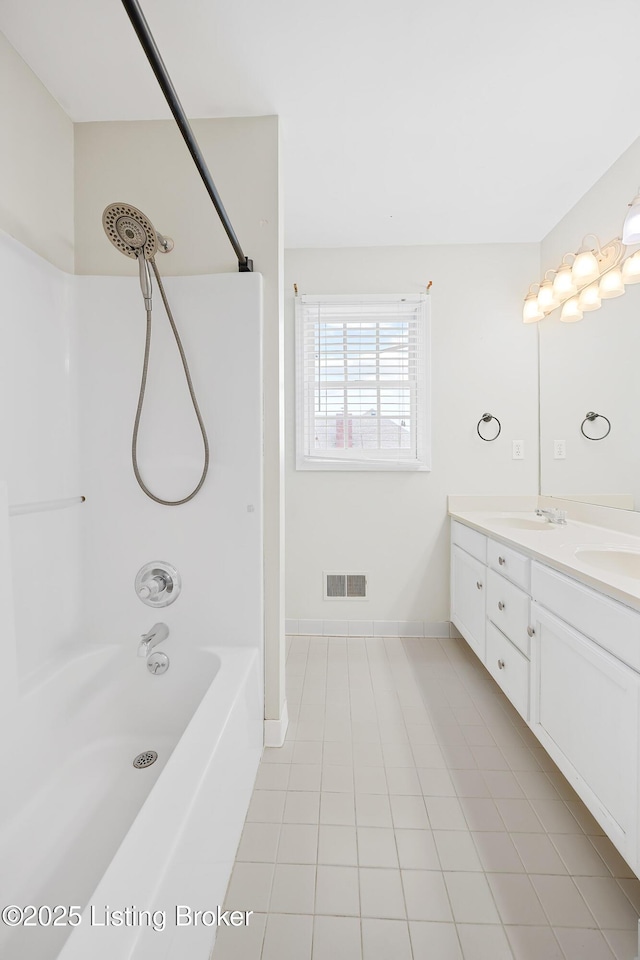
[{"x": 404, "y": 121}]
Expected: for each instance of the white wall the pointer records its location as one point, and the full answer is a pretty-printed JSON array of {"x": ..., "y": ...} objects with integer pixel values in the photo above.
[
  {"x": 215, "y": 540},
  {"x": 36, "y": 162},
  {"x": 394, "y": 525},
  {"x": 592, "y": 364},
  {"x": 39, "y": 448}
]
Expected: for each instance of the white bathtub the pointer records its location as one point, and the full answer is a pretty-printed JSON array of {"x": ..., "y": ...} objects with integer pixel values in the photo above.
[{"x": 79, "y": 825}]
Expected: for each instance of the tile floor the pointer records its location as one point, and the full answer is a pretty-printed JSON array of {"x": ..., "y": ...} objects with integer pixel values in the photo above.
[{"x": 411, "y": 815}]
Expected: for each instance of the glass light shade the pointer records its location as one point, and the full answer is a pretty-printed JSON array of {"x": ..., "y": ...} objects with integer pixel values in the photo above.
[
  {"x": 531, "y": 312},
  {"x": 631, "y": 226},
  {"x": 571, "y": 311},
  {"x": 631, "y": 269},
  {"x": 585, "y": 268},
  {"x": 547, "y": 300},
  {"x": 589, "y": 299},
  {"x": 611, "y": 284},
  {"x": 563, "y": 285}
]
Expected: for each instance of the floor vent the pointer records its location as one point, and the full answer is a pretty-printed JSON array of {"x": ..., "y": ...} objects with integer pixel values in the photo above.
[{"x": 345, "y": 586}]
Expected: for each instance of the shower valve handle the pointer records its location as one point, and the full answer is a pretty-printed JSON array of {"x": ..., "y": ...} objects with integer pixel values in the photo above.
[
  {"x": 152, "y": 588},
  {"x": 157, "y": 583}
]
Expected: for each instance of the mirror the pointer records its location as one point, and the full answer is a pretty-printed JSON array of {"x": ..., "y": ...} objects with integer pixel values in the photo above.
[{"x": 592, "y": 366}]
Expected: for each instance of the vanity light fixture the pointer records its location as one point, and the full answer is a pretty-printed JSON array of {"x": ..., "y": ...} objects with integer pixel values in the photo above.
[
  {"x": 547, "y": 297},
  {"x": 571, "y": 311},
  {"x": 611, "y": 284},
  {"x": 532, "y": 312},
  {"x": 631, "y": 226},
  {"x": 564, "y": 284},
  {"x": 598, "y": 272},
  {"x": 585, "y": 268},
  {"x": 631, "y": 269},
  {"x": 589, "y": 298}
]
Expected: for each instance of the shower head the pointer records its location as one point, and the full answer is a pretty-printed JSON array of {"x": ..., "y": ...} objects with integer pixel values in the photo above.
[{"x": 130, "y": 231}]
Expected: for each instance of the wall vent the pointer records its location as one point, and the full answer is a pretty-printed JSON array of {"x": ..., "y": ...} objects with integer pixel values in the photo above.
[{"x": 345, "y": 586}]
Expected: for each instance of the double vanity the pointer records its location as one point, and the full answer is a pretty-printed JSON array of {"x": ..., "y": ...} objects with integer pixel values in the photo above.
[{"x": 553, "y": 612}]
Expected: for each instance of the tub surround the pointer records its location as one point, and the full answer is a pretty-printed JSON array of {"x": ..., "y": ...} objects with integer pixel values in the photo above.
[{"x": 555, "y": 545}]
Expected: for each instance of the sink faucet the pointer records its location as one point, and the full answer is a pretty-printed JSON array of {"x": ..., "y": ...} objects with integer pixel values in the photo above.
[
  {"x": 553, "y": 515},
  {"x": 158, "y": 633}
]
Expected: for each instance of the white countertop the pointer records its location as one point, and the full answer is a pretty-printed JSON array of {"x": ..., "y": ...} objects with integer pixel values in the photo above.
[{"x": 556, "y": 545}]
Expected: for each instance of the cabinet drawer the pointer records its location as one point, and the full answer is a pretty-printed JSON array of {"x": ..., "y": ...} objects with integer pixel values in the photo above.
[
  {"x": 509, "y": 563},
  {"x": 509, "y": 669},
  {"x": 470, "y": 540},
  {"x": 508, "y": 608},
  {"x": 611, "y": 624}
]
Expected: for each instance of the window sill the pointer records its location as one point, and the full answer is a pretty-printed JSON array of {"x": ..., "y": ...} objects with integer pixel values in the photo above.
[{"x": 303, "y": 463}]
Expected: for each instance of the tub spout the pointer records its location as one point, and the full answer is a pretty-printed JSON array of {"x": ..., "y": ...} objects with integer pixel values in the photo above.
[{"x": 158, "y": 633}]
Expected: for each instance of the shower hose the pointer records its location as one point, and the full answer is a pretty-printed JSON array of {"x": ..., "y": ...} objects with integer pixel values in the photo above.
[{"x": 143, "y": 386}]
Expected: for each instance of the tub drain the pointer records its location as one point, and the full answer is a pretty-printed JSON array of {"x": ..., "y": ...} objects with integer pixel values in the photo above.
[{"x": 145, "y": 759}]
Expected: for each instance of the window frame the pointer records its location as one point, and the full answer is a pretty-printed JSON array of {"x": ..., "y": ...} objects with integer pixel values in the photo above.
[{"x": 305, "y": 460}]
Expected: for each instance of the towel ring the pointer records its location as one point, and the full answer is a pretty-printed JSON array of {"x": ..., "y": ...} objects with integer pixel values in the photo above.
[
  {"x": 591, "y": 416},
  {"x": 486, "y": 418}
]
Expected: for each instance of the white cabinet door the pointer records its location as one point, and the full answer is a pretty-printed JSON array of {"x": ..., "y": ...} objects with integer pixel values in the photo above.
[
  {"x": 468, "y": 588},
  {"x": 585, "y": 713}
]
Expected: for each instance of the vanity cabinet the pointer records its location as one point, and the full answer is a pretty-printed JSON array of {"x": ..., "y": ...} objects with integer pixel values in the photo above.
[
  {"x": 509, "y": 563},
  {"x": 585, "y": 714},
  {"x": 490, "y": 609},
  {"x": 508, "y": 609},
  {"x": 509, "y": 668},
  {"x": 568, "y": 658},
  {"x": 468, "y": 588}
]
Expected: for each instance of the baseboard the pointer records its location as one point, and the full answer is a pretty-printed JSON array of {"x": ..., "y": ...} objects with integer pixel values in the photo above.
[
  {"x": 275, "y": 731},
  {"x": 370, "y": 628}
]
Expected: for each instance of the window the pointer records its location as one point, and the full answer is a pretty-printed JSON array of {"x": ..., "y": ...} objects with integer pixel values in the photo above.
[{"x": 362, "y": 393}]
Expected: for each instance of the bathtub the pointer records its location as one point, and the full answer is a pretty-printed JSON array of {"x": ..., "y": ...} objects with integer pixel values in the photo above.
[{"x": 81, "y": 826}]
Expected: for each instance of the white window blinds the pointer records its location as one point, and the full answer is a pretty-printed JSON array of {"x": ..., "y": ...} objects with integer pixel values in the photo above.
[{"x": 362, "y": 388}]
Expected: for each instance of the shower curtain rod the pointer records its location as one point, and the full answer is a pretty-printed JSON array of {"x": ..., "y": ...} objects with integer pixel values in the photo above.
[{"x": 141, "y": 27}]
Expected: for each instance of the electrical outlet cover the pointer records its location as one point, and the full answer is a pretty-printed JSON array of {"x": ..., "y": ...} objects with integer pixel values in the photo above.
[
  {"x": 517, "y": 449},
  {"x": 559, "y": 449}
]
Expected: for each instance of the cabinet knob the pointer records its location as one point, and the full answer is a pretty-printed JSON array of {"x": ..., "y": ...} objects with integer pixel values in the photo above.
[
  {"x": 530, "y": 631},
  {"x": 500, "y": 664},
  {"x": 501, "y": 561},
  {"x": 500, "y": 605},
  {"x": 478, "y": 585}
]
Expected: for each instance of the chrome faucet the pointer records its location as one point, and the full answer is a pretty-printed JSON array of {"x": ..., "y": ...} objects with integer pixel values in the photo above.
[
  {"x": 553, "y": 515},
  {"x": 158, "y": 633}
]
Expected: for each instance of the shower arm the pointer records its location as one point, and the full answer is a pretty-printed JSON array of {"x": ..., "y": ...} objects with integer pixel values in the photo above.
[{"x": 141, "y": 27}]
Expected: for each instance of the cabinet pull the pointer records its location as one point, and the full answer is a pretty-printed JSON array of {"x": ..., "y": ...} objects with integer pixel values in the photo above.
[
  {"x": 478, "y": 585},
  {"x": 500, "y": 605},
  {"x": 501, "y": 561},
  {"x": 530, "y": 631},
  {"x": 500, "y": 664}
]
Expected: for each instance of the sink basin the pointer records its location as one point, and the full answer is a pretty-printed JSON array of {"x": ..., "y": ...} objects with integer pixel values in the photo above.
[
  {"x": 612, "y": 559},
  {"x": 524, "y": 523}
]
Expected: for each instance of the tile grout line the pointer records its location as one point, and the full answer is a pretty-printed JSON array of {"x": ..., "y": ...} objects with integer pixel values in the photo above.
[
  {"x": 355, "y": 815},
  {"x": 391, "y": 681}
]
